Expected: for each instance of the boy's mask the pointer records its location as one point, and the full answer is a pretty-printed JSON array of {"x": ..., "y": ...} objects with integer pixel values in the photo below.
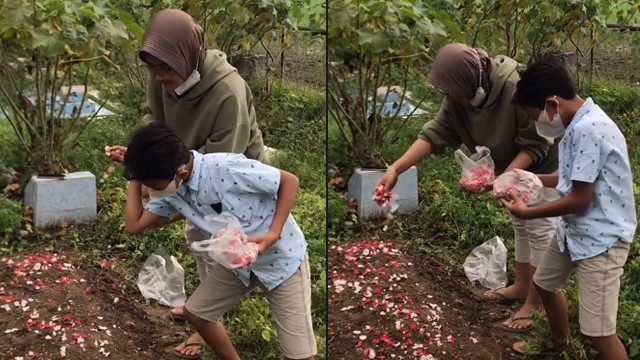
[
  {"x": 171, "y": 189},
  {"x": 549, "y": 128}
]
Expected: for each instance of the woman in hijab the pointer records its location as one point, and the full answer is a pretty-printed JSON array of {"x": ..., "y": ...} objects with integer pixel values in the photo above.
[
  {"x": 477, "y": 111},
  {"x": 203, "y": 98}
]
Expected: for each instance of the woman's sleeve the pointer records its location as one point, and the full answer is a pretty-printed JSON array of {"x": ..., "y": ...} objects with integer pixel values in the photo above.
[
  {"x": 231, "y": 126},
  {"x": 441, "y": 132}
]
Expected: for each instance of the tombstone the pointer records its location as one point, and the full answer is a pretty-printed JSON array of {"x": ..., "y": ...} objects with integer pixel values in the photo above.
[
  {"x": 69, "y": 199},
  {"x": 363, "y": 181},
  {"x": 568, "y": 59},
  {"x": 249, "y": 66}
]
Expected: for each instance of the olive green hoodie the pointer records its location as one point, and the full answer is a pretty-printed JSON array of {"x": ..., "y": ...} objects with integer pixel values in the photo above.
[
  {"x": 499, "y": 125},
  {"x": 216, "y": 115}
]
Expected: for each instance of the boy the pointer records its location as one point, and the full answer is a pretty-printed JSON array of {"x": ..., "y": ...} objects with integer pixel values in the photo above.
[
  {"x": 261, "y": 197},
  {"x": 596, "y": 206}
]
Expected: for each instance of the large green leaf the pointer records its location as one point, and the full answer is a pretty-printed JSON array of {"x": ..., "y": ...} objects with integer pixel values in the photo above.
[
  {"x": 375, "y": 42},
  {"x": 131, "y": 24},
  {"x": 52, "y": 44}
]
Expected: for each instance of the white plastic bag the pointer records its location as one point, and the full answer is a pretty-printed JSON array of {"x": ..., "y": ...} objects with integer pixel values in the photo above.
[
  {"x": 162, "y": 278},
  {"x": 477, "y": 170},
  {"x": 523, "y": 184},
  {"x": 228, "y": 246},
  {"x": 487, "y": 264}
]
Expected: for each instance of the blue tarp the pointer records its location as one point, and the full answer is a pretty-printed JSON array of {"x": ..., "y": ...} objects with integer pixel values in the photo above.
[
  {"x": 89, "y": 108},
  {"x": 389, "y": 106}
]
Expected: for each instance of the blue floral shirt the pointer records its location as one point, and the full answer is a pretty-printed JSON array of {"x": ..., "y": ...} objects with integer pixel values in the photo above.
[
  {"x": 225, "y": 182},
  {"x": 594, "y": 151}
]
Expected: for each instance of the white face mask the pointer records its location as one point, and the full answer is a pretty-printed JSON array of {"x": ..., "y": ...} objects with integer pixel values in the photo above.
[
  {"x": 191, "y": 81},
  {"x": 480, "y": 95},
  {"x": 478, "y": 99},
  {"x": 171, "y": 189},
  {"x": 549, "y": 129}
]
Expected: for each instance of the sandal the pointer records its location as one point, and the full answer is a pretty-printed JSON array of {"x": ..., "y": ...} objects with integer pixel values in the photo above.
[
  {"x": 520, "y": 349},
  {"x": 186, "y": 356},
  {"x": 176, "y": 317},
  {"x": 514, "y": 330},
  {"x": 499, "y": 297}
]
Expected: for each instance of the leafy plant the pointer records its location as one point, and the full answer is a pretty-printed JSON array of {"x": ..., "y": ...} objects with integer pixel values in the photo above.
[
  {"x": 372, "y": 43},
  {"x": 48, "y": 44},
  {"x": 337, "y": 211},
  {"x": 10, "y": 219},
  {"x": 527, "y": 30},
  {"x": 237, "y": 27}
]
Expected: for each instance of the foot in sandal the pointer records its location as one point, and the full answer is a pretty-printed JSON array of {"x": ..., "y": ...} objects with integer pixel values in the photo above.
[
  {"x": 506, "y": 294},
  {"x": 176, "y": 314},
  {"x": 190, "y": 348}
]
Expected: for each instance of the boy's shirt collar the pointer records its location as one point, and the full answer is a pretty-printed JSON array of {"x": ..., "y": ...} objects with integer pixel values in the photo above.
[
  {"x": 194, "y": 178},
  {"x": 582, "y": 111}
]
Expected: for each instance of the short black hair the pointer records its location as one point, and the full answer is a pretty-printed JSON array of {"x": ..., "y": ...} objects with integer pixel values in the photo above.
[
  {"x": 155, "y": 152},
  {"x": 542, "y": 79}
]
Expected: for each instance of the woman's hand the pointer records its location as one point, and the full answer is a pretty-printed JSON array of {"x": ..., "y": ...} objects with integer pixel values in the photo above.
[
  {"x": 388, "y": 180},
  {"x": 116, "y": 153}
]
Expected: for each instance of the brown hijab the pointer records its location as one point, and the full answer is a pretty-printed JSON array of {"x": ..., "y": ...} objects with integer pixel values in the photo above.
[
  {"x": 455, "y": 70},
  {"x": 175, "y": 39}
]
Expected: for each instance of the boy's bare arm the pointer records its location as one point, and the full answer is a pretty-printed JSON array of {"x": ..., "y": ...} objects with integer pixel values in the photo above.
[
  {"x": 136, "y": 218},
  {"x": 287, "y": 193}
]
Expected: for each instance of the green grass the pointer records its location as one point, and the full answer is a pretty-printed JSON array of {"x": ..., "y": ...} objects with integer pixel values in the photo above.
[
  {"x": 452, "y": 222},
  {"x": 293, "y": 120}
]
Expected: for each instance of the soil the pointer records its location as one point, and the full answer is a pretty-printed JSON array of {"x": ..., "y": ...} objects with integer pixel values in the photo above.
[
  {"x": 386, "y": 302},
  {"x": 55, "y": 306}
]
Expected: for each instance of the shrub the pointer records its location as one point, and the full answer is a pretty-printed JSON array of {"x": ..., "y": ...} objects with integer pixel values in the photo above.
[{"x": 10, "y": 221}]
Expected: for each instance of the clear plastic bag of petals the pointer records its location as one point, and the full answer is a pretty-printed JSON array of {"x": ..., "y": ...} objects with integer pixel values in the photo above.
[
  {"x": 521, "y": 183},
  {"x": 478, "y": 170},
  {"x": 229, "y": 245}
]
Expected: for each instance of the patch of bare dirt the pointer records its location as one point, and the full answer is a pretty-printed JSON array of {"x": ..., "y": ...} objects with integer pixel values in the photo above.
[
  {"x": 386, "y": 302},
  {"x": 55, "y": 306}
]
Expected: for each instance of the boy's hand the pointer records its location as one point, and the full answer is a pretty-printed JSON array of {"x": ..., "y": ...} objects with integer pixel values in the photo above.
[
  {"x": 144, "y": 191},
  {"x": 515, "y": 205},
  {"x": 488, "y": 186},
  {"x": 264, "y": 241}
]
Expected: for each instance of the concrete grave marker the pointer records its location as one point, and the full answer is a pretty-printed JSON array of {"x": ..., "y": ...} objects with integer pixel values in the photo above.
[
  {"x": 69, "y": 199},
  {"x": 363, "y": 181}
]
